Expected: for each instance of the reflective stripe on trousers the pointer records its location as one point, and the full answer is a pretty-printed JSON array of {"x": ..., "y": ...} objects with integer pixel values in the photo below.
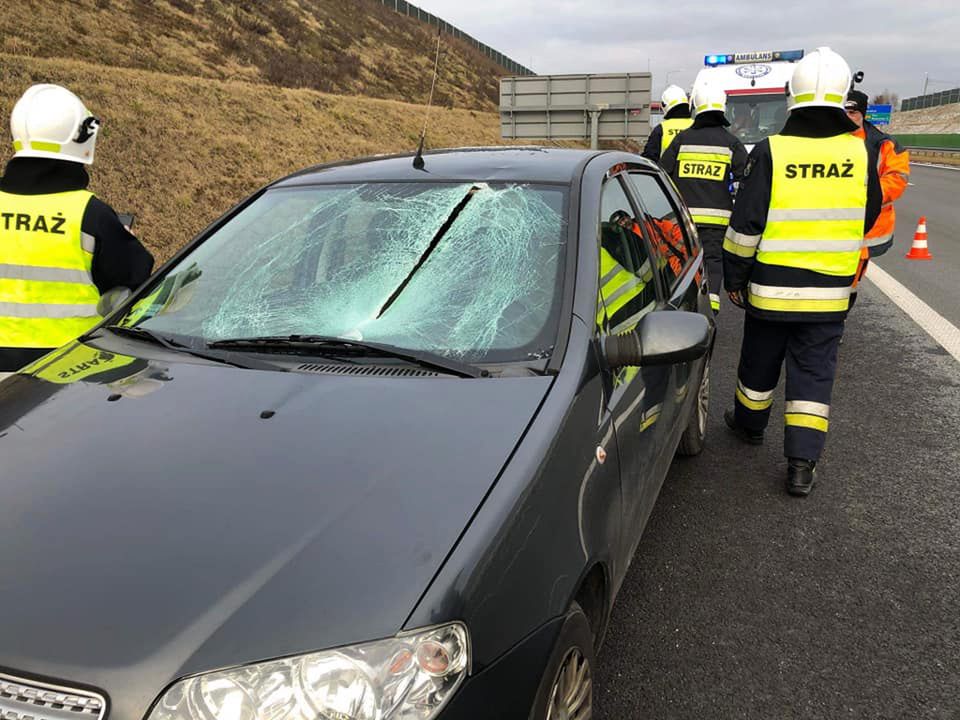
[{"x": 809, "y": 352}]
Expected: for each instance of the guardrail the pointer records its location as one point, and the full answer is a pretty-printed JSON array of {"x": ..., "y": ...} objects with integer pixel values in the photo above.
[{"x": 947, "y": 156}]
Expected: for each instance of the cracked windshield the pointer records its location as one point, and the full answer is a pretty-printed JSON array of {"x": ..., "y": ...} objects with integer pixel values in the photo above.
[{"x": 471, "y": 271}]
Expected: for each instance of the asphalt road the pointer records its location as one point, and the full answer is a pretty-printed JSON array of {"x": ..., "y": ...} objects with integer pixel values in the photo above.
[
  {"x": 743, "y": 602},
  {"x": 935, "y": 193}
]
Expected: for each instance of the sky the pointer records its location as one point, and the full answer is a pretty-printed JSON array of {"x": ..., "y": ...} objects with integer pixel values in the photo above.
[{"x": 894, "y": 43}]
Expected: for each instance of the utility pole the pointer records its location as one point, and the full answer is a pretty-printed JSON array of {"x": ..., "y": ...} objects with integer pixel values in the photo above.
[{"x": 926, "y": 78}]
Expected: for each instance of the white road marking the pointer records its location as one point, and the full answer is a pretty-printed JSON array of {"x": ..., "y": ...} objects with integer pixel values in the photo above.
[
  {"x": 933, "y": 323},
  {"x": 934, "y": 165}
]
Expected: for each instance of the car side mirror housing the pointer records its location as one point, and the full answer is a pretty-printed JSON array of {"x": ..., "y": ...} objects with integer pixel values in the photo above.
[
  {"x": 111, "y": 300},
  {"x": 663, "y": 337}
]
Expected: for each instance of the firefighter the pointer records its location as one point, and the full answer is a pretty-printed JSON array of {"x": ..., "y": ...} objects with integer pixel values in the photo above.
[
  {"x": 790, "y": 256},
  {"x": 60, "y": 247},
  {"x": 893, "y": 165},
  {"x": 676, "y": 117},
  {"x": 702, "y": 161}
]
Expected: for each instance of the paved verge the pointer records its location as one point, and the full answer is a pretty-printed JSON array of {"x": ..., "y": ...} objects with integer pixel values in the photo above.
[{"x": 743, "y": 602}]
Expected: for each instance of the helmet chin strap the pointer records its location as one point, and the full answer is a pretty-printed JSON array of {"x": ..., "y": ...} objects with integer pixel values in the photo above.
[{"x": 88, "y": 128}]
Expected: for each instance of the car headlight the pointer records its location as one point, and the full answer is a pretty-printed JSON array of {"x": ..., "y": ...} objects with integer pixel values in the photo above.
[{"x": 409, "y": 677}]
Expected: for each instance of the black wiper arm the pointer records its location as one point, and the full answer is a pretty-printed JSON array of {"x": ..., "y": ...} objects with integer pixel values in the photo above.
[
  {"x": 448, "y": 223},
  {"x": 149, "y": 336},
  {"x": 322, "y": 344}
]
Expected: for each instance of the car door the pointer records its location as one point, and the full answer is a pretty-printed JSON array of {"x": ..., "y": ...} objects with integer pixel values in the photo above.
[
  {"x": 672, "y": 235},
  {"x": 629, "y": 289}
]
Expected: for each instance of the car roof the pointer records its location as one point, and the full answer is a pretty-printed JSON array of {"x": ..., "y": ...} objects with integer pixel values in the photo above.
[{"x": 504, "y": 164}]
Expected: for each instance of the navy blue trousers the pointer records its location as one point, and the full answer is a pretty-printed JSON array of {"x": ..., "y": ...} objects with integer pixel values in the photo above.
[
  {"x": 711, "y": 237},
  {"x": 810, "y": 353}
]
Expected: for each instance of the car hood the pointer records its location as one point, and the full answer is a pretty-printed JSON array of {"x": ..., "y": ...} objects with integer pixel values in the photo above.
[{"x": 160, "y": 519}]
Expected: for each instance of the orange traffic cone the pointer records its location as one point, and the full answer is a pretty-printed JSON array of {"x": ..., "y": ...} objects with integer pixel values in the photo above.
[{"x": 919, "y": 251}]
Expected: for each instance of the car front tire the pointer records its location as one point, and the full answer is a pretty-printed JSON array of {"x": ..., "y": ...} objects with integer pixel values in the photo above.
[
  {"x": 566, "y": 688},
  {"x": 694, "y": 435}
]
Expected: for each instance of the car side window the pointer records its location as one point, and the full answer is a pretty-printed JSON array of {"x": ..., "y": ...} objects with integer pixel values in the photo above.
[
  {"x": 664, "y": 225},
  {"x": 627, "y": 287}
]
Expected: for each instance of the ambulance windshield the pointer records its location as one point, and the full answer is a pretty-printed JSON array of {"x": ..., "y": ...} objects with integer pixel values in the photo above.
[{"x": 754, "y": 117}]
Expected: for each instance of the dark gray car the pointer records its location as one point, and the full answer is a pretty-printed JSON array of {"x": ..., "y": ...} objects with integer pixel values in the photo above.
[{"x": 377, "y": 445}]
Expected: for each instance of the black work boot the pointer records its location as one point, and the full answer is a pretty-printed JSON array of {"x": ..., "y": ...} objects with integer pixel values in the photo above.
[
  {"x": 751, "y": 437},
  {"x": 801, "y": 476}
]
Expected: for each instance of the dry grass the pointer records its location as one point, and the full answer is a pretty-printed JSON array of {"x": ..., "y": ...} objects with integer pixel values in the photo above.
[
  {"x": 355, "y": 47},
  {"x": 180, "y": 151}
]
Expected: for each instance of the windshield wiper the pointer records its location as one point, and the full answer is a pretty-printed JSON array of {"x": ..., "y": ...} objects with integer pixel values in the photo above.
[
  {"x": 448, "y": 223},
  {"x": 324, "y": 344},
  {"x": 149, "y": 336}
]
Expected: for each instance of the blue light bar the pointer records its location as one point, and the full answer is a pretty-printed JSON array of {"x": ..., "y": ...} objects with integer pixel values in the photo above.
[
  {"x": 760, "y": 56},
  {"x": 714, "y": 60}
]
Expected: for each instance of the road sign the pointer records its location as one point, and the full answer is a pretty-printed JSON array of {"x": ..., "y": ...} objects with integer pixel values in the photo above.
[
  {"x": 879, "y": 114},
  {"x": 576, "y": 107}
]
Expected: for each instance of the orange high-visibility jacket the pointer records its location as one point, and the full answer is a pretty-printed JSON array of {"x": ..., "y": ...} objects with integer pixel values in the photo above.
[{"x": 893, "y": 167}]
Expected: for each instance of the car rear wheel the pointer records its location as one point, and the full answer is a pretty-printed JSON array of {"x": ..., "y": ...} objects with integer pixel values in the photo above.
[
  {"x": 692, "y": 440},
  {"x": 566, "y": 688}
]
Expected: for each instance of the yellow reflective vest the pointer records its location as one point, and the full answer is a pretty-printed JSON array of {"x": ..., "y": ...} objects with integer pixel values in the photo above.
[
  {"x": 808, "y": 253},
  {"x": 672, "y": 128},
  {"x": 47, "y": 294},
  {"x": 625, "y": 297},
  {"x": 78, "y": 362}
]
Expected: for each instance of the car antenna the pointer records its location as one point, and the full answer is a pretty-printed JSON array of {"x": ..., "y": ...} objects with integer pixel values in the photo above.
[{"x": 418, "y": 158}]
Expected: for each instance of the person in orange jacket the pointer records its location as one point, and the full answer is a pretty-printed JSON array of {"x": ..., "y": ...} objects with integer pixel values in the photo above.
[{"x": 893, "y": 165}]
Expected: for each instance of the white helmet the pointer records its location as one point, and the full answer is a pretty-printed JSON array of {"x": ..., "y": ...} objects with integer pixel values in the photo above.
[
  {"x": 673, "y": 95},
  {"x": 49, "y": 121},
  {"x": 821, "y": 79},
  {"x": 706, "y": 97}
]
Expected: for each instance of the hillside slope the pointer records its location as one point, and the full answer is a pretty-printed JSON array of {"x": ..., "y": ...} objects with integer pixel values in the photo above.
[
  {"x": 179, "y": 151},
  {"x": 353, "y": 47},
  {"x": 941, "y": 119}
]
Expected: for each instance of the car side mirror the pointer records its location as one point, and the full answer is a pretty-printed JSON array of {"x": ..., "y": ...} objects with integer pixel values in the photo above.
[
  {"x": 111, "y": 300},
  {"x": 663, "y": 337}
]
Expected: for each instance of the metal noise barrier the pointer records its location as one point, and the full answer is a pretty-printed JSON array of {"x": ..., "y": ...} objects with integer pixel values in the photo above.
[
  {"x": 410, "y": 10},
  {"x": 945, "y": 97}
]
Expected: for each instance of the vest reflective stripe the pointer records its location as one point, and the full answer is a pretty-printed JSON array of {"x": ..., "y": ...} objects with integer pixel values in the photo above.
[
  {"x": 707, "y": 152},
  {"x": 799, "y": 299},
  {"x": 740, "y": 244},
  {"x": 25, "y": 272},
  {"x": 818, "y": 202},
  {"x": 812, "y": 246},
  {"x": 815, "y": 214},
  {"x": 879, "y": 240},
  {"x": 710, "y": 216},
  {"x": 47, "y": 295},
  {"x": 45, "y": 310},
  {"x": 672, "y": 128}
]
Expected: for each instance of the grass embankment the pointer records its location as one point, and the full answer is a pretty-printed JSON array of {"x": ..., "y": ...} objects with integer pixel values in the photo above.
[
  {"x": 350, "y": 47},
  {"x": 179, "y": 151}
]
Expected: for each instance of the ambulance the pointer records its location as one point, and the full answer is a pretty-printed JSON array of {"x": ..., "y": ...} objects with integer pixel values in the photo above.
[{"x": 755, "y": 83}]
